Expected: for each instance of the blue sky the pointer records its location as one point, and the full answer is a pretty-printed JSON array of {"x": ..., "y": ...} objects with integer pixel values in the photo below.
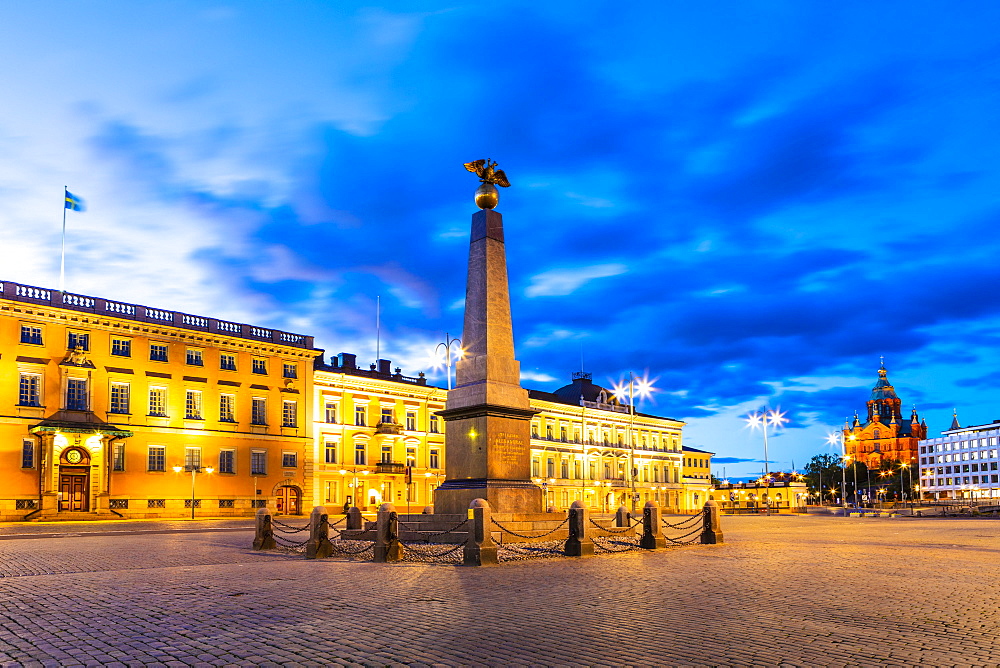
[{"x": 752, "y": 201}]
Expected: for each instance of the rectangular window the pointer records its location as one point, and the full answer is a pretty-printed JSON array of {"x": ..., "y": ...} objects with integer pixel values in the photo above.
[
  {"x": 158, "y": 352},
  {"x": 330, "y": 452},
  {"x": 435, "y": 424},
  {"x": 227, "y": 461},
  {"x": 118, "y": 457},
  {"x": 30, "y": 390},
  {"x": 258, "y": 411},
  {"x": 536, "y": 467},
  {"x": 27, "y": 454},
  {"x": 119, "y": 398},
  {"x": 289, "y": 460},
  {"x": 359, "y": 416},
  {"x": 435, "y": 460},
  {"x": 79, "y": 340},
  {"x": 386, "y": 454},
  {"x": 289, "y": 413},
  {"x": 194, "y": 357},
  {"x": 411, "y": 421},
  {"x": 192, "y": 405},
  {"x": 227, "y": 362},
  {"x": 258, "y": 462},
  {"x": 76, "y": 394},
  {"x": 121, "y": 347},
  {"x": 227, "y": 408},
  {"x": 156, "y": 459},
  {"x": 388, "y": 416},
  {"x": 259, "y": 366},
  {"x": 289, "y": 370},
  {"x": 331, "y": 412},
  {"x": 30, "y": 334},
  {"x": 158, "y": 401},
  {"x": 192, "y": 459},
  {"x": 360, "y": 456}
]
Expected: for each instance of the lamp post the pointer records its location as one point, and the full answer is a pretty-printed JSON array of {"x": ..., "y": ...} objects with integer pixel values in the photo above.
[
  {"x": 195, "y": 470},
  {"x": 832, "y": 440},
  {"x": 447, "y": 349},
  {"x": 763, "y": 419},
  {"x": 644, "y": 387}
]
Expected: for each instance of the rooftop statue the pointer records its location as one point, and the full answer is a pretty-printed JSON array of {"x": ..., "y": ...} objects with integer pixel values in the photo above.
[{"x": 487, "y": 196}]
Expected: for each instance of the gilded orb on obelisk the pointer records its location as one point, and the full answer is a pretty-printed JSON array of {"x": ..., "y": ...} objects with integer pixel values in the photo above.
[{"x": 487, "y": 195}]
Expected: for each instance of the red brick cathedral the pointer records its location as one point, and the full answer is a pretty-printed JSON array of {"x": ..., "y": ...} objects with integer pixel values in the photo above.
[{"x": 885, "y": 436}]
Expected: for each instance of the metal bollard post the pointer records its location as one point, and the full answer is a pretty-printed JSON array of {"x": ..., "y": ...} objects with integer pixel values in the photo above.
[
  {"x": 264, "y": 538},
  {"x": 480, "y": 550},
  {"x": 652, "y": 538},
  {"x": 712, "y": 533},
  {"x": 621, "y": 517},
  {"x": 319, "y": 545},
  {"x": 387, "y": 547},
  {"x": 354, "y": 519},
  {"x": 578, "y": 544}
]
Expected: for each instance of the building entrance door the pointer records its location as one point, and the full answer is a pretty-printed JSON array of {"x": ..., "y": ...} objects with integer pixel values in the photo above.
[
  {"x": 73, "y": 490},
  {"x": 288, "y": 500}
]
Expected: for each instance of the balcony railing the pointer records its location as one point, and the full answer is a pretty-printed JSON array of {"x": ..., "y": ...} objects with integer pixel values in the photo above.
[
  {"x": 390, "y": 467},
  {"x": 388, "y": 428}
]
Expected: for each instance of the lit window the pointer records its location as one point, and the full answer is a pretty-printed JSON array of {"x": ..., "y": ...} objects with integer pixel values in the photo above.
[
  {"x": 227, "y": 408},
  {"x": 411, "y": 420},
  {"x": 192, "y": 459},
  {"x": 289, "y": 460},
  {"x": 227, "y": 362},
  {"x": 194, "y": 357},
  {"x": 360, "y": 456},
  {"x": 289, "y": 411},
  {"x": 359, "y": 416},
  {"x": 79, "y": 340},
  {"x": 118, "y": 457},
  {"x": 76, "y": 394},
  {"x": 259, "y": 366},
  {"x": 32, "y": 335},
  {"x": 435, "y": 424},
  {"x": 158, "y": 352},
  {"x": 289, "y": 370},
  {"x": 158, "y": 401},
  {"x": 227, "y": 461},
  {"x": 331, "y": 412},
  {"x": 119, "y": 398},
  {"x": 258, "y": 462},
  {"x": 330, "y": 451},
  {"x": 434, "y": 462},
  {"x": 386, "y": 454},
  {"x": 411, "y": 456},
  {"x": 258, "y": 411},
  {"x": 121, "y": 347},
  {"x": 156, "y": 459},
  {"x": 192, "y": 405},
  {"x": 30, "y": 390},
  {"x": 388, "y": 416}
]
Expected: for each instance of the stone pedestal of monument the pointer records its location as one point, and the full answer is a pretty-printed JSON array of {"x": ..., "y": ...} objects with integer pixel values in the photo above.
[{"x": 487, "y": 415}]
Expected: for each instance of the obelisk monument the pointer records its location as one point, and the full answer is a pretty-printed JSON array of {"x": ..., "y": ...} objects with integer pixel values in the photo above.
[{"x": 487, "y": 415}]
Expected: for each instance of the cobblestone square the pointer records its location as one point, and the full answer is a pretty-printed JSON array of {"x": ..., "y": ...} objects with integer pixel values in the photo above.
[{"x": 787, "y": 590}]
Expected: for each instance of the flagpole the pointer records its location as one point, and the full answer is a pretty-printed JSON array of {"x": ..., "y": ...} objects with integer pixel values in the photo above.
[{"x": 62, "y": 260}]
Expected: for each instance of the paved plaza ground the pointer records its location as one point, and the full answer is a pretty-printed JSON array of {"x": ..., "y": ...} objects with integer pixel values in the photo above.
[{"x": 804, "y": 591}]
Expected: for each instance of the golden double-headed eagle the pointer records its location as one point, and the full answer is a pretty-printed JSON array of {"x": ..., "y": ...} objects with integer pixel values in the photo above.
[{"x": 487, "y": 173}]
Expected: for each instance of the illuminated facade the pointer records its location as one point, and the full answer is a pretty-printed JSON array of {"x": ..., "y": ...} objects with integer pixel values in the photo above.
[
  {"x": 696, "y": 474},
  {"x": 885, "y": 436},
  {"x": 585, "y": 443},
  {"x": 962, "y": 463},
  {"x": 376, "y": 436},
  {"x": 121, "y": 410}
]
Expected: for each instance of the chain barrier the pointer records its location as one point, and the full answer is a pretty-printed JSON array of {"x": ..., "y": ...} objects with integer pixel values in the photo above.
[
  {"x": 622, "y": 530},
  {"x": 424, "y": 552},
  {"x": 289, "y": 528},
  {"x": 426, "y": 538},
  {"x": 521, "y": 535},
  {"x": 685, "y": 524},
  {"x": 604, "y": 544},
  {"x": 290, "y": 543},
  {"x": 512, "y": 551},
  {"x": 333, "y": 524},
  {"x": 683, "y": 540},
  {"x": 339, "y": 548}
]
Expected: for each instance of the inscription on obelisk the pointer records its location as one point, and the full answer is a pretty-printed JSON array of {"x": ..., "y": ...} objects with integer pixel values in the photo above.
[{"x": 487, "y": 415}]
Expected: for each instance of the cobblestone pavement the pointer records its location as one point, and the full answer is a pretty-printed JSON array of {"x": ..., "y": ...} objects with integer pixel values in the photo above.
[{"x": 794, "y": 591}]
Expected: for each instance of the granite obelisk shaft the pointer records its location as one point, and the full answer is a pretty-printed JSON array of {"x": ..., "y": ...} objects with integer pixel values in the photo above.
[{"x": 487, "y": 416}]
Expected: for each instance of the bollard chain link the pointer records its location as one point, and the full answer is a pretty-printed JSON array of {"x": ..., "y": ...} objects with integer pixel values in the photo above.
[
  {"x": 681, "y": 539},
  {"x": 289, "y": 527},
  {"x": 439, "y": 533},
  {"x": 521, "y": 535},
  {"x": 684, "y": 524}
]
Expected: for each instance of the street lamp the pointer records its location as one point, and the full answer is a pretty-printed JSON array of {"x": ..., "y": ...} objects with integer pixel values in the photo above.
[
  {"x": 832, "y": 440},
  {"x": 195, "y": 470},
  {"x": 446, "y": 347},
  {"x": 762, "y": 420},
  {"x": 644, "y": 388}
]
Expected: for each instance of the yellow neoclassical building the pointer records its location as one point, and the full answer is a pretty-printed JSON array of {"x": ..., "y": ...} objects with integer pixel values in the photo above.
[
  {"x": 112, "y": 410},
  {"x": 376, "y": 436},
  {"x": 586, "y": 444},
  {"x": 697, "y": 477}
]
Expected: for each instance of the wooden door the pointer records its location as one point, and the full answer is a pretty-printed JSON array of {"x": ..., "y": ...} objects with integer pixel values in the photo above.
[
  {"x": 287, "y": 501},
  {"x": 73, "y": 495}
]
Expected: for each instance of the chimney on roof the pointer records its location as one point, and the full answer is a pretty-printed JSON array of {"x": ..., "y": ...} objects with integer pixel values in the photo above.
[
  {"x": 385, "y": 366},
  {"x": 347, "y": 361}
]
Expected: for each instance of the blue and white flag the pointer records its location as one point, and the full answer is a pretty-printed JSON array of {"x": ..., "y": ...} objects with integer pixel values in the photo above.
[{"x": 74, "y": 203}]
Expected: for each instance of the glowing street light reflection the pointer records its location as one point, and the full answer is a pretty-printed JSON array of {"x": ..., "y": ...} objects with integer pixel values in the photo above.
[{"x": 762, "y": 420}]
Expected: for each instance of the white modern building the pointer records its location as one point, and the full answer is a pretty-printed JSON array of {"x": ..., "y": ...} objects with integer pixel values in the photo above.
[{"x": 962, "y": 463}]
